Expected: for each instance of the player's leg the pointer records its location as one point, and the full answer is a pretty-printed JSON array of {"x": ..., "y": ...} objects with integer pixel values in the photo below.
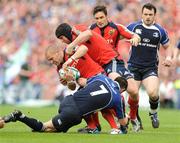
[
  {"x": 133, "y": 101},
  {"x": 17, "y": 115},
  {"x": 91, "y": 125},
  {"x": 153, "y": 92},
  {"x": 133, "y": 90},
  {"x": 139, "y": 119},
  {"x": 109, "y": 117},
  {"x": 96, "y": 121}
]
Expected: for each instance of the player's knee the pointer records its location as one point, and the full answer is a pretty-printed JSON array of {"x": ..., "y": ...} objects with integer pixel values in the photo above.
[
  {"x": 133, "y": 93},
  {"x": 132, "y": 90},
  {"x": 153, "y": 94}
]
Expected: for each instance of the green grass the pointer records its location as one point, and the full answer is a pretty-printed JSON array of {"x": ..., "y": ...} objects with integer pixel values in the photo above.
[{"x": 169, "y": 131}]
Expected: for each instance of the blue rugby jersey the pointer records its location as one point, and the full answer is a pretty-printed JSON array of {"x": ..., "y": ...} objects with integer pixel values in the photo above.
[{"x": 146, "y": 53}]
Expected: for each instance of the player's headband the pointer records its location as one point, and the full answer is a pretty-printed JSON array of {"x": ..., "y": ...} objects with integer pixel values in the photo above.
[{"x": 64, "y": 29}]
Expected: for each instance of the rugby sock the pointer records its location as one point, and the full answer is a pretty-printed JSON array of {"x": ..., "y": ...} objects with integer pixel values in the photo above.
[
  {"x": 90, "y": 122},
  {"x": 154, "y": 105},
  {"x": 123, "y": 103},
  {"x": 107, "y": 114},
  {"x": 35, "y": 124},
  {"x": 133, "y": 105},
  {"x": 96, "y": 119}
]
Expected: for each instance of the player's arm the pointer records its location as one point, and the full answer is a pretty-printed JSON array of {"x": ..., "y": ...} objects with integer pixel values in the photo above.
[
  {"x": 176, "y": 52},
  {"x": 134, "y": 38},
  {"x": 80, "y": 51},
  {"x": 169, "y": 54},
  {"x": 81, "y": 38}
]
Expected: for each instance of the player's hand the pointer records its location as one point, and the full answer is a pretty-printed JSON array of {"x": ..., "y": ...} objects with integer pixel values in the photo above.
[
  {"x": 2, "y": 123},
  {"x": 82, "y": 81},
  {"x": 69, "y": 76},
  {"x": 63, "y": 81},
  {"x": 67, "y": 63},
  {"x": 167, "y": 62},
  {"x": 135, "y": 40}
]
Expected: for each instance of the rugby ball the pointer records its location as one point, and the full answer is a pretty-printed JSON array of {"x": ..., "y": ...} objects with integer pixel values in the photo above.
[{"x": 69, "y": 71}]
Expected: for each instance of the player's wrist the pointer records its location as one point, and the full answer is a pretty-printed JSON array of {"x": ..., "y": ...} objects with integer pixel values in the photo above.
[{"x": 73, "y": 58}]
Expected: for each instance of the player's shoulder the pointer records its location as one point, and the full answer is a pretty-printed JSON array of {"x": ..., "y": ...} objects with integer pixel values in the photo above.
[
  {"x": 158, "y": 26},
  {"x": 136, "y": 23},
  {"x": 81, "y": 27}
]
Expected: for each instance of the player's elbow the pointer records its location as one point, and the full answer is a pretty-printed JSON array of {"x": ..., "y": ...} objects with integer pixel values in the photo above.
[{"x": 88, "y": 34}]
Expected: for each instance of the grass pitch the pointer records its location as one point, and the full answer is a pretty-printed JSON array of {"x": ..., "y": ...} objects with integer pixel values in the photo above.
[{"x": 169, "y": 131}]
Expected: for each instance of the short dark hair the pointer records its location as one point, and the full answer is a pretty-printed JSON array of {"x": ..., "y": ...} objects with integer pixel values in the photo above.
[
  {"x": 122, "y": 82},
  {"x": 149, "y": 6},
  {"x": 100, "y": 8},
  {"x": 64, "y": 29}
]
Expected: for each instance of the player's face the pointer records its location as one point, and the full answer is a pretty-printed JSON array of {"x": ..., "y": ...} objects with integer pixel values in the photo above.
[
  {"x": 148, "y": 16},
  {"x": 55, "y": 58},
  {"x": 65, "y": 40},
  {"x": 101, "y": 19}
]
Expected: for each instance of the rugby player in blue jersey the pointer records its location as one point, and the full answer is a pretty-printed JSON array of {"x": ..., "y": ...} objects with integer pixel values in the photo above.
[{"x": 143, "y": 61}]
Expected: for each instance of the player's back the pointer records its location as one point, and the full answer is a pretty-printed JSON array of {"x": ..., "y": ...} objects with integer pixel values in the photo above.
[
  {"x": 99, "y": 50},
  {"x": 98, "y": 94},
  {"x": 86, "y": 66}
]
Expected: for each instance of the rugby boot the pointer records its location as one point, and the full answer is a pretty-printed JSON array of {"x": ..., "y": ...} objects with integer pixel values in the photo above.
[
  {"x": 154, "y": 120},
  {"x": 12, "y": 117}
]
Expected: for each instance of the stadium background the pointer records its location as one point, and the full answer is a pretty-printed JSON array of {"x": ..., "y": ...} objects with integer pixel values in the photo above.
[{"x": 27, "y": 27}]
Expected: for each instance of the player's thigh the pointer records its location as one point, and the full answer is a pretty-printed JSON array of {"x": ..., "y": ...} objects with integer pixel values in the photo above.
[{"x": 151, "y": 85}]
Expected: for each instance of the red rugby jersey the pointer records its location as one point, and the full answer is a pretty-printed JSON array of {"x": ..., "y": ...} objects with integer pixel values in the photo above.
[
  {"x": 98, "y": 49},
  {"x": 112, "y": 33}
]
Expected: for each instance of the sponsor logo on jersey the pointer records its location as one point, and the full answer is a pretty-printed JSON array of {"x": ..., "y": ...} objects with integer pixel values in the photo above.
[
  {"x": 138, "y": 31},
  {"x": 155, "y": 34},
  {"x": 111, "y": 32},
  {"x": 146, "y": 40}
]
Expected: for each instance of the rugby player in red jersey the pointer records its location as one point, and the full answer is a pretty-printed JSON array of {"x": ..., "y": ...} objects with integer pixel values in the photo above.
[
  {"x": 87, "y": 67},
  {"x": 113, "y": 33}
]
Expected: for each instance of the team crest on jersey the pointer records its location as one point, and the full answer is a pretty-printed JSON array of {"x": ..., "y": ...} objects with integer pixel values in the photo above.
[
  {"x": 138, "y": 31},
  {"x": 155, "y": 34},
  {"x": 111, "y": 32}
]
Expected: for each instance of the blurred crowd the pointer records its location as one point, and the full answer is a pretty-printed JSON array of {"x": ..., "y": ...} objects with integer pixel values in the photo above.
[{"x": 27, "y": 28}]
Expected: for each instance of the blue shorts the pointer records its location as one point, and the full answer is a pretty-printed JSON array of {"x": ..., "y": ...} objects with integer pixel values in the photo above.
[
  {"x": 142, "y": 73},
  {"x": 117, "y": 66},
  {"x": 68, "y": 116}
]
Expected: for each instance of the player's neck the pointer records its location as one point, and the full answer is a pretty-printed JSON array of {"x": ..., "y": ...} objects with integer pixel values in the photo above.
[{"x": 145, "y": 25}]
